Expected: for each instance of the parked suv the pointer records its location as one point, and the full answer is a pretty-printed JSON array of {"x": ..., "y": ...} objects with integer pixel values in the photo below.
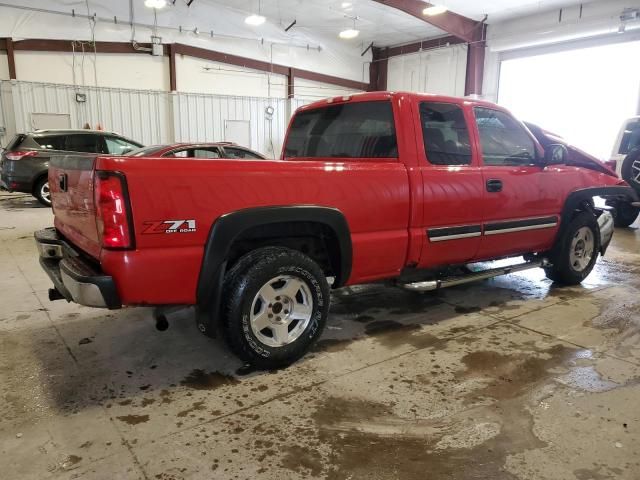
[
  {"x": 25, "y": 161},
  {"x": 625, "y": 160}
]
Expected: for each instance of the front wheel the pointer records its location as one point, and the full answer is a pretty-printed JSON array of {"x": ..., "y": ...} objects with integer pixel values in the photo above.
[
  {"x": 42, "y": 193},
  {"x": 276, "y": 306},
  {"x": 576, "y": 252}
]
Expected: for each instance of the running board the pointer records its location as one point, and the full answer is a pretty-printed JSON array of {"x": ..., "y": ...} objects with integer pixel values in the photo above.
[{"x": 472, "y": 277}]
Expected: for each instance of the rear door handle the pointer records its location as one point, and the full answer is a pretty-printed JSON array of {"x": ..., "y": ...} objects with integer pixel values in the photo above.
[{"x": 494, "y": 185}]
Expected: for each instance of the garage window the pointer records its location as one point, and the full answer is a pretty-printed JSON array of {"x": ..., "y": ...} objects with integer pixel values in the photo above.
[{"x": 349, "y": 130}]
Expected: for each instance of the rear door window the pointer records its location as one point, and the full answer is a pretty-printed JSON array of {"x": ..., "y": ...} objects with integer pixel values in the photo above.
[
  {"x": 346, "y": 130},
  {"x": 51, "y": 142},
  {"x": 504, "y": 141},
  {"x": 630, "y": 137},
  {"x": 84, "y": 142},
  {"x": 445, "y": 134},
  {"x": 231, "y": 152}
]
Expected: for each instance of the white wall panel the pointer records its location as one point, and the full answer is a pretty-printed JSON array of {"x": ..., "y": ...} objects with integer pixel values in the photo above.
[
  {"x": 141, "y": 115},
  {"x": 441, "y": 71},
  {"x": 201, "y": 117},
  {"x": 4, "y": 67},
  {"x": 318, "y": 90},
  {"x": 137, "y": 71},
  {"x": 195, "y": 75}
]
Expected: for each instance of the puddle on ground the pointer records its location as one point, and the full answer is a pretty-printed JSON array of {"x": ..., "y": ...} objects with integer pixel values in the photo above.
[{"x": 198, "y": 379}]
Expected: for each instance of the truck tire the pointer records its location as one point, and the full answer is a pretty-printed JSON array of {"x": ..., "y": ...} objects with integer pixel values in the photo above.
[
  {"x": 576, "y": 252},
  {"x": 276, "y": 303},
  {"x": 630, "y": 171},
  {"x": 42, "y": 193},
  {"x": 625, "y": 214}
]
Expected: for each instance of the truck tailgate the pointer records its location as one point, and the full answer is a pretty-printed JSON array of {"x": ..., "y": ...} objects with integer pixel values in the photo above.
[{"x": 71, "y": 185}]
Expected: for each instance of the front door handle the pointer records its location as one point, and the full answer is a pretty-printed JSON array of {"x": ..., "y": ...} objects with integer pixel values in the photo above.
[{"x": 494, "y": 185}]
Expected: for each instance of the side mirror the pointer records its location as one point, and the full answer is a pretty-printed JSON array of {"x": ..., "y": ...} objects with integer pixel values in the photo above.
[{"x": 555, "y": 154}]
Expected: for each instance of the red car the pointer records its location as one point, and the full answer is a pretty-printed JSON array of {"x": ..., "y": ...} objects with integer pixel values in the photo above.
[
  {"x": 197, "y": 150},
  {"x": 370, "y": 187}
]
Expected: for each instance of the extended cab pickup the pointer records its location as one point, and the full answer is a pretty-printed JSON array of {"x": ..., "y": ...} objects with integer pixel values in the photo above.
[{"x": 397, "y": 186}]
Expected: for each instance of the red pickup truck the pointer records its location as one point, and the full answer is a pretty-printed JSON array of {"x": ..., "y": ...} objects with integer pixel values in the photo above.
[{"x": 377, "y": 186}]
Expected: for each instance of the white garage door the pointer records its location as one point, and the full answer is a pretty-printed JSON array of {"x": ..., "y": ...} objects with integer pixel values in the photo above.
[{"x": 583, "y": 95}]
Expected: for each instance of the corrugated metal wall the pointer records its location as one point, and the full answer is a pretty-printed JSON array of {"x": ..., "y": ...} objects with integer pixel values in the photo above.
[{"x": 150, "y": 117}]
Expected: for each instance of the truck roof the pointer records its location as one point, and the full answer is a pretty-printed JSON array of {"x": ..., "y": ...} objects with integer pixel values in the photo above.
[{"x": 385, "y": 95}]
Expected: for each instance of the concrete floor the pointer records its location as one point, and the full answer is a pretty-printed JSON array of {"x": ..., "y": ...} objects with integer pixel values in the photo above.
[{"x": 510, "y": 378}]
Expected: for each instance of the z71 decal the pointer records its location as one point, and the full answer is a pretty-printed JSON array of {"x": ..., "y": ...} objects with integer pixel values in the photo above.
[{"x": 170, "y": 226}]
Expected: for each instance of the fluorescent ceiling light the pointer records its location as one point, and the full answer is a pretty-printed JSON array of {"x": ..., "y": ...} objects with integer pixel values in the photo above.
[
  {"x": 349, "y": 33},
  {"x": 255, "y": 20},
  {"x": 346, "y": 4},
  {"x": 155, "y": 3},
  {"x": 434, "y": 10}
]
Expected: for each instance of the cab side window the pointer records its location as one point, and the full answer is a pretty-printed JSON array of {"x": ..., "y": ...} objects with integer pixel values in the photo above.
[
  {"x": 503, "y": 140},
  {"x": 445, "y": 134}
]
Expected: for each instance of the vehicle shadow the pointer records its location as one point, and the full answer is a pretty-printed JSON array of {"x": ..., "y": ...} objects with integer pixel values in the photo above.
[
  {"x": 14, "y": 201},
  {"x": 119, "y": 358}
]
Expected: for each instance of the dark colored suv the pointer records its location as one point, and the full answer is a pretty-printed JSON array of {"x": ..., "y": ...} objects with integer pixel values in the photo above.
[{"x": 25, "y": 162}]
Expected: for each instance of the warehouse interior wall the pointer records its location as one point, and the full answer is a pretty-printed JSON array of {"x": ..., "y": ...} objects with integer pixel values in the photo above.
[
  {"x": 104, "y": 69},
  {"x": 196, "y": 75},
  {"x": 440, "y": 71},
  {"x": 233, "y": 36},
  {"x": 310, "y": 90}
]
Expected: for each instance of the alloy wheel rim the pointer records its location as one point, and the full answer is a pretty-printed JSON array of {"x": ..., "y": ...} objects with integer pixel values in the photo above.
[
  {"x": 635, "y": 171},
  {"x": 281, "y": 311},
  {"x": 582, "y": 249},
  {"x": 45, "y": 193}
]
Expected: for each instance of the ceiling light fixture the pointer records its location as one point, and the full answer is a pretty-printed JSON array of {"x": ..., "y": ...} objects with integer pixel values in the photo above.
[
  {"x": 432, "y": 10},
  {"x": 350, "y": 33},
  {"x": 254, "y": 19},
  {"x": 155, "y": 3}
]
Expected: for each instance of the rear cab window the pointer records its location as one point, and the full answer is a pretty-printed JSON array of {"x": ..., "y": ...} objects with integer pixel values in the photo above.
[
  {"x": 445, "y": 134},
  {"x": 345, "y": 130}
]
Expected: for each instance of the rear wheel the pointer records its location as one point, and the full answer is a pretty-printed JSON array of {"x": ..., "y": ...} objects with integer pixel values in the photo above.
[
  {"x": 630, "y": 171},
  {"x": 577, "y": 251},
  {"x": 42, "y": 193},
  {"x": 624, "y": 213},
  {"x": 276, "y": 306}
]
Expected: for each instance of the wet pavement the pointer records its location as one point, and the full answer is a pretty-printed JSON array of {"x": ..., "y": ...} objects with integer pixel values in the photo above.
[{"x": 510, "y": 378}]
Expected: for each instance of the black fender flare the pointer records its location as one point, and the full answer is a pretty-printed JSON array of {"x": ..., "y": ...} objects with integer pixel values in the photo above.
[
  {"x": 579, "y": 197},
  {"x": 227, "y": 228}
]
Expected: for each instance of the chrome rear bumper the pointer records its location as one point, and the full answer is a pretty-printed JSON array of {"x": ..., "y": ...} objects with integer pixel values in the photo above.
[{"x": 74, "y": 277}]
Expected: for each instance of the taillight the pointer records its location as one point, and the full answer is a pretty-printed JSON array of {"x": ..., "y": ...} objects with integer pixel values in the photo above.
[
  {"x": 112, "y": 210},
  {"x": 20, "y": 154}
]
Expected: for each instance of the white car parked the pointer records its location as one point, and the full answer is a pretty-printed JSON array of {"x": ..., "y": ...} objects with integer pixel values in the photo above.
[
  {"x": 628, "y": 140},
  {"x": 625, "y": 160}
]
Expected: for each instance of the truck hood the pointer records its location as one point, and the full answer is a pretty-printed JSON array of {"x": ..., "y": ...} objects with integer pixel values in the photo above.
[{"x": 577, "y": 157}]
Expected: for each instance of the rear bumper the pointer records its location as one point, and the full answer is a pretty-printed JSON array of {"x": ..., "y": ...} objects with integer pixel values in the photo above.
[
  {"x": 15, "y": 184},
  {"x": 74, "y": 277}
]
